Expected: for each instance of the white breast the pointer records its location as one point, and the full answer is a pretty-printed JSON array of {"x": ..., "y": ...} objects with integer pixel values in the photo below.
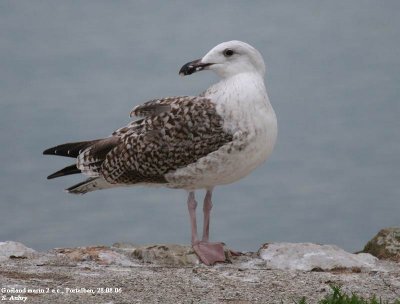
[{"x": 243, "y": 103}]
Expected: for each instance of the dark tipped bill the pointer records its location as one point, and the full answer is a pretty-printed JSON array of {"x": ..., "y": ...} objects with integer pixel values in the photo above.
[{"x": 193, "y": 67}]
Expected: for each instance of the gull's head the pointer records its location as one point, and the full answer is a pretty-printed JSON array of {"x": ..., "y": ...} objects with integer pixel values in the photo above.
[{"x": 228, "y": 59}]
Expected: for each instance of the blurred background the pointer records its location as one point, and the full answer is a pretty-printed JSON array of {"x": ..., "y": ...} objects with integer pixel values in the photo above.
[{"x": 73, "y": 70}]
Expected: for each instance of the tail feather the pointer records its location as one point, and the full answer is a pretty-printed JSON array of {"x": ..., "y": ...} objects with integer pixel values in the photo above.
[
  {"x": 70, "y": 149},
  {"x": 90, "y": 156},
  {"x": 89, "y": 185}
]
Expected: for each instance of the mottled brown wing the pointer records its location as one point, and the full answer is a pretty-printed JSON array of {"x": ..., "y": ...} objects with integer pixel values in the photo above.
[{"x": 174, "y": 133}]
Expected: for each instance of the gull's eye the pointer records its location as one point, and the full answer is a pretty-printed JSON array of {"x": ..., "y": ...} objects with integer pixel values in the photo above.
[{"x": 228, "y": 52}]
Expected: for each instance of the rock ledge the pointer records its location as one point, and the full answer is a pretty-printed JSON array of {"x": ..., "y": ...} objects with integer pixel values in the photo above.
[{"x": 169, "y": 273}]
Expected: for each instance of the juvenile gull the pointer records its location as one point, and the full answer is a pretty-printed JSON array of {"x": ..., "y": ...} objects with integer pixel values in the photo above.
[{"x": 188, "y": 142}]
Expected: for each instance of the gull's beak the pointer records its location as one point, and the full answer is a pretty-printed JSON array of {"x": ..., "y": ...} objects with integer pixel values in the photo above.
[{"x": 193, "y": 67}]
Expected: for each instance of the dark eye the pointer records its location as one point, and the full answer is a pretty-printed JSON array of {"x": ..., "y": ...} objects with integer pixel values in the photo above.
[{"x": 228, "y": 52}]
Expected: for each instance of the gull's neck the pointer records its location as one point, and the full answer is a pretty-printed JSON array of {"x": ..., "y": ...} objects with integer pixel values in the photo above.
[{"x": 246, "y": 87}]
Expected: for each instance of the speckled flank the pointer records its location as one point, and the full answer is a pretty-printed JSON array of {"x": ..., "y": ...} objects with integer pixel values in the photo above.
[{"x": 174, "y": 133}]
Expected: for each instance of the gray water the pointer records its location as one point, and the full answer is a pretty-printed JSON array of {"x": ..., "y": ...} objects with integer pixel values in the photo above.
[{"x": 73, "y": 70}]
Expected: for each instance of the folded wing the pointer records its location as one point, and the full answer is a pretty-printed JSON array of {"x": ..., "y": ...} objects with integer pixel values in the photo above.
[{"x": 170, "y": 133}]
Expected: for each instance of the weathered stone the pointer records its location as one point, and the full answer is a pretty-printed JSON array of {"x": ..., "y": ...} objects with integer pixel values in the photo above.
[
  {"x": 385, "y": 245},
  {"x": 167, "y": 254},
  {"x": 308, "y": 256},
  {"x": 10, "y": 249},
  {"x": 100, "y": 254}
]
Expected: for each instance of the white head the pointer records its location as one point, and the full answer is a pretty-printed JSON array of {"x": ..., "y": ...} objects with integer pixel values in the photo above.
[{"x": 228, "y": 59}]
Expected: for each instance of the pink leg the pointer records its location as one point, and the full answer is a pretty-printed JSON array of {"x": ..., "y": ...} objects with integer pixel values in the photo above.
[
  {"x": 192, "y": 204},
  {"x": 209, "y": 253},
  {"x": 207, "y": 205}
]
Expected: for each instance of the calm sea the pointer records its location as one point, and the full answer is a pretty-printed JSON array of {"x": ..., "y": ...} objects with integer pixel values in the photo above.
[{"x": 72, "y": 71}]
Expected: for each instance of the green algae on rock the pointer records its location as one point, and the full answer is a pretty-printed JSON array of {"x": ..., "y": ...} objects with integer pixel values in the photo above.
[{"x": 385, "y": 245}]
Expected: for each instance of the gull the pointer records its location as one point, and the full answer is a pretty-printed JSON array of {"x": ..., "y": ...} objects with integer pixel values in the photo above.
[{"x": 187, "y": 142}]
